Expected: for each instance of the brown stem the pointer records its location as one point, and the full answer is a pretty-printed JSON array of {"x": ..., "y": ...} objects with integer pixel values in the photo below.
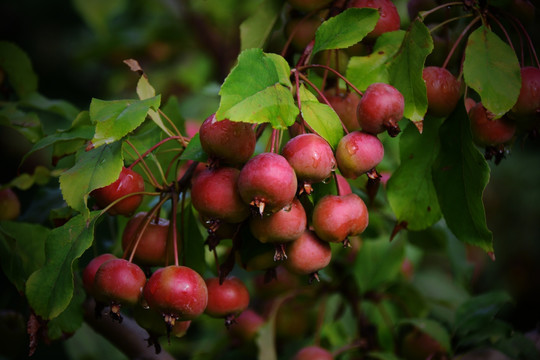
[
  {"x": 458, "y": 40},
  {"x": 350, "y": 84},
  {"x": 146, "y": 169}
]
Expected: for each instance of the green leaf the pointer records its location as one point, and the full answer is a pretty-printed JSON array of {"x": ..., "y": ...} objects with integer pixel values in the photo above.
[
  {"x": 41, "y": 176},
  {"x": 378, "y": 263},
  {"x": 254, "y": 31},
  {"x": 406, "y": 70},
  {"x": 492, "y": 69},
  {"x": 22, "y": 250},
  {"x": 146, "y": 91},
  {"x": 363, "y": 71},
  {"x": 194, "y": 150},
  {"x": 18, "y": 68},
  {"x": 410, "y": 189},
  {"x": 49, "y": 290},
  {"x": 320, "y": 117},
  {"x": 258, "y": 90},
  {"x": 62, "y": 108},
  {"x": 460, "y": 175},
  {"x": 79, "y": 130},
  {"x": 432, "y": 328},
  {"x": 71, "y": 319},
  {"x": 117, "y": 118},
  {"x": 478, "y": 312},
  {"x": 94, "y": 169},
  {"x": 25, "y": 123},
  {"x": 345, "y": 29},
  {"x": 193, "y": 242}
]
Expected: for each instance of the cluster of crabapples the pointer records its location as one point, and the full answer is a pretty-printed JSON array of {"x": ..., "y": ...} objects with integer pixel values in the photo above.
[{"x": 265, "y": 194}]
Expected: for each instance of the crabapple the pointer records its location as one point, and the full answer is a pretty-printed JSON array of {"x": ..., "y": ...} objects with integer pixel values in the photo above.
[
  {"x": 127, "y": 183},
  {"x": 215, "y": 195},
  {"x": 488, "y": 131},
  {"x": 357, "y": 153},
  {"x": 120, "y": 282},
  {"x": 178, "y": 292},
  {"x": 389, "y": 17},
  {"x": 335, "y": 217},
  {"x": 443, "y": 90},
  {"x": 246, "y": 325},
  {"x": 10, "y": 206},
  {"x": 230, "y": 141},
  {"x": 226, "y": 299},
  {"x": 268, "y": 182},
  {"x": 282, "y": 226},
  {"x": 343, "y": 185},
  {"x": 528, "y": 102},
  {"x": 380, "y": 109},
  {"x": 311, "y": 157},
  {"x": 152, "y": 246},
  {"x": 308, "y": 254},
  {"x": 313, "y": 353}
]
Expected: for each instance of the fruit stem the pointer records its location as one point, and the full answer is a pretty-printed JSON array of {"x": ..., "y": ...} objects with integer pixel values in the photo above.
[
  {"x": 132, "y": 248},
  {"x": 494, "y": 18},
  {"x": 173, "y": 226},
  {"x": 182, "y": 140},
  {"x": 423, "y": 14},
  {"x": 182, "y": 209},
  {"x": 103, "y": 211},
  {"x": 350, "y": 84},
  {"x": 141, "y": 158},
  {"x": 458, "y": 40},
  {"x": 438, "y": 26},
  {"x": 146, "y": 169},
  {"x": 529, "y": 41}
]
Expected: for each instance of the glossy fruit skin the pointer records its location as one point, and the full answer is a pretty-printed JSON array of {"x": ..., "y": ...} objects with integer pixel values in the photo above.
[
  {"x": 229, "y": 141},
  {"x": 345, "y": 105},
  {"x": 127, "y": 183},
  {"x": 89, "y": 272},
  {"x": 152, "y": 246},
  {"x": 229, "y": 298},
  {"x": 443, "y": 90},
  {"x": 528, "y": 102},
  {"x": 380, "y": 109},
  {"x": 337, "y": 217},
  {"x": 120, "y": 281},
  {"x": 310, "y": 156},
  {"x": 282, "y": 226},
  {"x": 308, "y": 5},
  {"x": 178, "y": 291},
  {"x": 358, "y": 152},
  {"x": 10, "y": 206},
  {"x": 313, "y": 353},
  {"x": 267, "y": 178},
  {"x": 307, "y": 254},
  {"x": 487, "y": 131},
  {"x": 215, "y": 195},
  {"x": 389, "y": 17}
]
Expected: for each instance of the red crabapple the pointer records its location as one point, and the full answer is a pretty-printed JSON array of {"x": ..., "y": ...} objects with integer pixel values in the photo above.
[
  {"x": 357, "y": 153},
  {"x": 443, "y": 90},
  {"x": 528, "y": 102},
  {"x": 128, "y": 182},
  {"x": 380, "y": 109},
  {"x": 389, "y": 17},
  {"x": 227, "y": 299},
  {"x": 488, "y": 131},
  {"x": 308, "y": 254}
]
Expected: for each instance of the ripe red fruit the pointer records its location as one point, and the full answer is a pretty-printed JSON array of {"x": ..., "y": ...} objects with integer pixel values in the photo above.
[
  {"x": 345, "y": 105},
  {"x": 89, "y": 272},
  {"x": 178, "y": 292},
  {"x": 120, "y": 282},
  {"x": 443, "y": 90},
  {"x": 357, "y": 153},
  {"x": 380, "y": 109},
  {"x": 337, "y": 217},
  {"x": 343, "y": 185},
  {"x": 214, "y": 194},
  {"x": 10, "y": 206},
  {"x": 228, "y": 299},
  {"x": 152, "y": 247},
  {"x": 488, "y": 131},
  {"x": 311, "y": 157},
  {"x": 229, "y": 141},
  {"x": 282, "y": 226},
  {"x": 389, "y": 17},
  {"x": 313, "y": 353},
  {"x": 268, "y": 182},
  {"x": 308, "y": 254},
  {"x": 528, "y": 102},
  {"x": 127, "y": 183}
]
